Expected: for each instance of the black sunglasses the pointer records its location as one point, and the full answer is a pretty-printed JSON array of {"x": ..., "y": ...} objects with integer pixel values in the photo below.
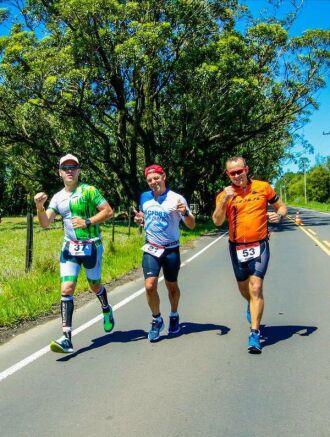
[{"x": 69, "y": 167}]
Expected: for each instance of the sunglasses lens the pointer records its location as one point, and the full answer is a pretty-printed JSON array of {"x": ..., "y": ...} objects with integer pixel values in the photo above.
[
  {"x": 69, "y": 167},
  {"x": 236, "y": 172}
]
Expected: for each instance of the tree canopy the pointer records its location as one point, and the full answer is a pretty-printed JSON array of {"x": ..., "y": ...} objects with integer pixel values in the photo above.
[{"x": 123, "y": 84}]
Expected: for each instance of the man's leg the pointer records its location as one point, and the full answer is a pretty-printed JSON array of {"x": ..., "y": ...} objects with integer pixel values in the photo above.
[
  {"x": 241, "y": 273},
  {"x": 257, "y": 307},
  {"x": 64, "y": 344},
  {"x": 157, "y": 324},
  {"x": 256, "y": 301},
  {"x": 171, "y": 269},
  {"x": 101, "y": 294},
  {"x": 93, "y": 268},
  {"x": 244, "y": 289},
  {"x": 173, "y": 295},
  {"x": 152, "y": 295},
  {"x": 258, "y": 269},
  {"x": 69, "y": 271},
  {"x": 67, "y": 306},
  {"x": 151, "y": 268}
]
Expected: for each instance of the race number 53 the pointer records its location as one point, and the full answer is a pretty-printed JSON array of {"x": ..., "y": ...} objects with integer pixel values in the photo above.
[{"x": 246, "y": 253}]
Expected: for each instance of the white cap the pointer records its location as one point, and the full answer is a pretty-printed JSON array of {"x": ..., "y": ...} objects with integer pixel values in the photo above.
[{"x": 69, "y": 157}]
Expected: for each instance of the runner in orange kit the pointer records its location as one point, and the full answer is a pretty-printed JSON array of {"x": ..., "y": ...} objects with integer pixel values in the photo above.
[{"x": 244, "y": 204}]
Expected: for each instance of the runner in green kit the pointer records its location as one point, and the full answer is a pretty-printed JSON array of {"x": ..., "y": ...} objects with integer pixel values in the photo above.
[{"x": 82, "y": 208}]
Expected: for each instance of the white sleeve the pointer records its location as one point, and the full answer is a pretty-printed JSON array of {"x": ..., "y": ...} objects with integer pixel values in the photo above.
[{"x": 53, "y": 204}]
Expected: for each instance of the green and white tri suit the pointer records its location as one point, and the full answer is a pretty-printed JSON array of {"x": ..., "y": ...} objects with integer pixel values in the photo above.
[{"x": 83, "y": 202}]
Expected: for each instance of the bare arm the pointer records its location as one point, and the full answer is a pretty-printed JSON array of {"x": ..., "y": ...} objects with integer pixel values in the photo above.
[
  {"x": 188, "y": 217},
  {"x": 104, "y": 214},
  {"x": 281, "y": 212},
  {"x": 189, "y": 221},
  {"x": 45, "y": 217},
  {"x": 139, "y": 217},
  {"x": 219, "y": 214}
]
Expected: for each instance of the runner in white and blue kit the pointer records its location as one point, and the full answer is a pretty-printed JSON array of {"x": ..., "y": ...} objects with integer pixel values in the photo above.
[{"x": 161, "y": 211}]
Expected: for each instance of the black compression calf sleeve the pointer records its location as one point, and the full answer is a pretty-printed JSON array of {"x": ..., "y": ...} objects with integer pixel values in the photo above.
[
  {"x": 103, "y": 298},
  {"x": 67, "y": 311}
]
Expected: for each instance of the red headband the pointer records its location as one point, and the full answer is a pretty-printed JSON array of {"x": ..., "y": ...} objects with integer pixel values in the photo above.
[{"x": 154, "y": 168}]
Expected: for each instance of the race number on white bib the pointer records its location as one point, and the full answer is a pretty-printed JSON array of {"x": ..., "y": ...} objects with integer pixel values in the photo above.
[
  {"x": 246, "y": 253},
  {"x": 80, "y": 249},
  {"x": 153, "y": 250}
]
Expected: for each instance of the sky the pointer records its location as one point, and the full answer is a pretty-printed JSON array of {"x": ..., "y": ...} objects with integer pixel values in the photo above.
[{"x": 314, "y": 14}]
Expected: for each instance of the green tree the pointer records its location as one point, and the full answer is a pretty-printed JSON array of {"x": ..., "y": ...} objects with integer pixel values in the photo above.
[
  {"x": 319, "y": 184},
  {"x": 124, "y": 84}
]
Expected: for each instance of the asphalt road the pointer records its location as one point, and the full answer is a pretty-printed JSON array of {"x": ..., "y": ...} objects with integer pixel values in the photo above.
[{"x": 202, "y": 382}]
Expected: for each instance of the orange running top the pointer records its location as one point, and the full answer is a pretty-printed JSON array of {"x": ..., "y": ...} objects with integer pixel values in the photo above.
[{"x": 247, "y": 211}]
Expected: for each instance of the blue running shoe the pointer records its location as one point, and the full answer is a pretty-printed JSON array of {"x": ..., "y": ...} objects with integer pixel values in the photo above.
[
  {"x": 62, "y": 346},
  {"x": 174, "y": 326},
  {"x": 254, "y": 343},
  {"x": 157, "y": 325},
  {"x": 248, "y": 314},
  {"x": 108, "y": 320}
]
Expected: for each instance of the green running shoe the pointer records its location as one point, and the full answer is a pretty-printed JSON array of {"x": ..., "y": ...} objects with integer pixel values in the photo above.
[
  {"x": 62, "y": 346},
  {"x": 108, "y": 320}
]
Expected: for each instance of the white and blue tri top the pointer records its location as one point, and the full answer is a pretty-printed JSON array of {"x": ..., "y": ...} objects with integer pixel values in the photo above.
[{"x": 161, "y": 219}]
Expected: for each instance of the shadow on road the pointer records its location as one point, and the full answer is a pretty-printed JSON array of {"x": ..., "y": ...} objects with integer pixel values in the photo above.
[
  {"x": 190, "y": 328},
  {"x": 139, "y": 334},
  {"x": 115, "y": 337},
  {"x": 273, "y": 334},
  {"x": 309, "y": 218}
]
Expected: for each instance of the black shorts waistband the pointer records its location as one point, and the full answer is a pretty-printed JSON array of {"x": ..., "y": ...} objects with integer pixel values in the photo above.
[
  {"x": 165, "y": 246},
  {"x": 234, "y": 243}
]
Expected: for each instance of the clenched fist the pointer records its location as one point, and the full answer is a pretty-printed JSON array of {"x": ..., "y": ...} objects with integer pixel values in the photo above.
[
  {"x": 139, "y": 217},
  {"x": 40, "y": 199},
  {"x": 229, "y": 192}
]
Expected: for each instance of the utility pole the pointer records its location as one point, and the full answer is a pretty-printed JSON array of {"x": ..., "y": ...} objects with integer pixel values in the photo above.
[
  {"x": 303, "y": 165},
  {"x": 305, "y": 184}
]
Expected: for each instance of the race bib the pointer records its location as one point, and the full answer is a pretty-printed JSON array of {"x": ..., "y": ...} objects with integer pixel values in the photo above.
[
  {"x": 247, "y": 252},
  {"x": 80, "y": 249},
  {"x": 153, "y": 250}
]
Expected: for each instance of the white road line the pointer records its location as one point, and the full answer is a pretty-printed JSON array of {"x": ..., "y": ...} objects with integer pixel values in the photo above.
[{"x": 83, "y": 327}]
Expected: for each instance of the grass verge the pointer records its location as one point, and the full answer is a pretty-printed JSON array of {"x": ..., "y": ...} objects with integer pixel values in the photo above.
[
  {"x": 27, "y": 296},
  {"x": 317, "y": 206}
]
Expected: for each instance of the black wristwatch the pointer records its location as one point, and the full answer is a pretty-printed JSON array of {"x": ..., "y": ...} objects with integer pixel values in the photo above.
[{"x": 88, "y": 222}]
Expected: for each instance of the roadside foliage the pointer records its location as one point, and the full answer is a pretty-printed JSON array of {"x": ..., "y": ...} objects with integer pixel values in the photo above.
[{"x": 124, "y": 83}]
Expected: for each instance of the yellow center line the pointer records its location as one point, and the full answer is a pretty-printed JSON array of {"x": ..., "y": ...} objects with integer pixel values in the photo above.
[
  {"x": 326, "y": 242},
  {"x": 318, "y": 242},
  {"x": 311, "y": 231}
]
